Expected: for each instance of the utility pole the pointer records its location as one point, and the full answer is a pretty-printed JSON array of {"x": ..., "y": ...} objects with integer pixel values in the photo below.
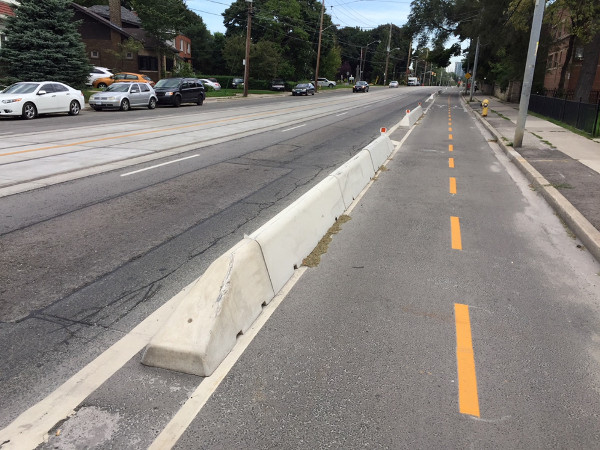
[
  {"x": 247, "y": 60},
  {"x": 408, "y": 60},
  {"x": 387, "y": 59},
  {"x": 534, "y": 38},
  {"x": 474, "y": 70},
  {"x": 319, "y": 48}
]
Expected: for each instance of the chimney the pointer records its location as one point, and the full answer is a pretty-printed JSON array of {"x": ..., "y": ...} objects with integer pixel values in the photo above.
[{"x": 115, "y": 12}]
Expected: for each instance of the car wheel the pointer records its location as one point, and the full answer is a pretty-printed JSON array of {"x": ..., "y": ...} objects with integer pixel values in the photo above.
[
  {"x": 177, "y": 101},
  {"x": 74, "y": 108},
  {"x": 29, "y": 111},
  {"x": 125, "y": 105},
  {"x": 152, "y": 103},
  {"x": 330, "y": 85},
  {"x": 313, "y": 93},
  {"x": 102, "y": 85},
  {"x": 200, "y": 100}
]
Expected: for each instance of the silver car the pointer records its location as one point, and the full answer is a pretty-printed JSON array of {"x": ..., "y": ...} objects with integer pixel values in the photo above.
[{"x": 124, "y": 96}]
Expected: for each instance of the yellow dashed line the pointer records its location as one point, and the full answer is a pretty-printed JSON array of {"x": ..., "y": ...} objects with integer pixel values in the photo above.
[{"x": 468, "y": 399}]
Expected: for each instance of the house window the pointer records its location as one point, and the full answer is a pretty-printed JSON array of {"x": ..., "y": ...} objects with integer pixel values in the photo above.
[
  {"x": 579, "y": 53},
  {"x": 129, "y": 55},
  {"x": 95, "y": 54},
  {"x": 181, "y": 44},
  {"x": 189, "y": 48},
  {"x": 148, "y": 63}
]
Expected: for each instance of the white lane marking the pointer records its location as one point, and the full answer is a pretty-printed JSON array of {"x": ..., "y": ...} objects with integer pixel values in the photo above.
[
  {"x": 338, "y": 115},
  {"x": 30, "y": 428},
  {"x": 158, "y": 165},
  {"x": 184, "y": 417},
  {"x": 293, "y": 128}
]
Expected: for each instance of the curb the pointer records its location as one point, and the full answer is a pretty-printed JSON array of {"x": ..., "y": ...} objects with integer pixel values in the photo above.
[{"x": 582, "y": 227}]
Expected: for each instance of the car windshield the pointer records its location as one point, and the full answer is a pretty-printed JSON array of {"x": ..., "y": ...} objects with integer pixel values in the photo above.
[
  {"x": 361, "y": 83},
  {"x": 302, "y": 86},
  {"x": 118, "y": 87},
  {"x": 21, "y": 88},
  {"x": 278, "y": 81},
  {"x": 168, "y": 83}
]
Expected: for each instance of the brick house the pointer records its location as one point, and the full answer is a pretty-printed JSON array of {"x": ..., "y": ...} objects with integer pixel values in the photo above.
[
  {"x": 556, "y": 59},
  {"x": 5, "y": 11}
]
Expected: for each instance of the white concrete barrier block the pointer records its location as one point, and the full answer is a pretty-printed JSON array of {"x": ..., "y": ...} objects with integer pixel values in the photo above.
[
  {"x": 380, "y": 150},
  {"x": 354, "y": 175},
  {"x": 411, "y": 118},
  {"x": 292, "y": 234},
  {"x": 223, "y": 302}
]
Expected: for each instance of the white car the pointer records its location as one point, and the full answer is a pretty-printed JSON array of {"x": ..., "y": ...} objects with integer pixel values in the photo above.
[
  {"x": 212, "y": 82},
  {"x": 394, "y": 84},
  {"x": 324, "y": 82},
  {"x": 98, "y": 72},
  {"x": 124, "y": 96},
  {"x": 28, "y": 99}
]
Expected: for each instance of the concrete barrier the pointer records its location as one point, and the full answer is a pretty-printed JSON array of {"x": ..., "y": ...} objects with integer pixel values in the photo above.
[
  {"x": 223, "y": 302},
  {"x": 380, "y": 150},
  {"x": 354, "y": 175},
  {"x": 411, "y": 118},
  {"x": 228, "y": 297},
  {"x": 292, "y": 234}
]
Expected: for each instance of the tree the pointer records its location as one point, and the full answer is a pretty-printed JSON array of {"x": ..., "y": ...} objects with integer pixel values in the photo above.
[
  {"x": 202, "y": 42},
  {"x": 44, "y": 44},
  {"x": 129, "y": 46},
  {"x": 163, "y": 20}
]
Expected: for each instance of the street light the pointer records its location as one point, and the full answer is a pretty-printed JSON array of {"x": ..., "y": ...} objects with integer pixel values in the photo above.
[
  {"x": 387, "y": 60},
  {"x": 321, "y": 29},
  {"x": 362, "y": 60}
]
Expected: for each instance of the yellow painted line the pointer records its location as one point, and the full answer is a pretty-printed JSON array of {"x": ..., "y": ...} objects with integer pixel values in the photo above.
[
  {"x": 451, "y": 163},
  {"x": 160, "y": 130},
  {"x": 449, "y": 128},
  {"x": 449, "y": 123},
  {"x": 450, "y": 136},
  {"x": 450, "y": 147},
  {"x": 452, "y": 185},
  {"x": 455, "y": 232},
  {"x": 468, "y": 399}
]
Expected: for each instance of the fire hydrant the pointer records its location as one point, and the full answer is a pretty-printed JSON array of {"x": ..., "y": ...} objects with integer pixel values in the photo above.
[{"x": 484, "y": 107}]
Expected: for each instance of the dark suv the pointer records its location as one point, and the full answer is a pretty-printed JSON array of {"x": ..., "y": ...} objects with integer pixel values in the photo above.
[
  {"x": 278, "y": 85},
  {"x": 175, "y": 91}
]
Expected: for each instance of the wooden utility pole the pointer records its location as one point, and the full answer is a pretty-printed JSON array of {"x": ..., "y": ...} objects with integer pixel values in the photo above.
[
  {"x": 247, "y": 60},
  {"x": 387, "y": 59},
  {"x": 319, "y": 48}
]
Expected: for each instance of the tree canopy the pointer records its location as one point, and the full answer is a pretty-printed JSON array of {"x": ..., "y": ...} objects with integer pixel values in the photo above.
[{"x": 44, "y": 44}]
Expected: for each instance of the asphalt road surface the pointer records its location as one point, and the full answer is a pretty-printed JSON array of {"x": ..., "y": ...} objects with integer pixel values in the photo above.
[{"x": 453, "y": 310}]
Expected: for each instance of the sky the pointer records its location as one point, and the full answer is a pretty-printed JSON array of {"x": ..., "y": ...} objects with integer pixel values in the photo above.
[{"x": 365, "y": 14}]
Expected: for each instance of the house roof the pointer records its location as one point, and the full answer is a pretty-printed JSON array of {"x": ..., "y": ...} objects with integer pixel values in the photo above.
[
  {"x": 127, "y": 16},
  {"x": 6, "y": 10},
  {"x": 100, "y": 19}
]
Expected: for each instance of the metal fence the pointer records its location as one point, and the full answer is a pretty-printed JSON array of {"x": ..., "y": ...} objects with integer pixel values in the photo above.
[{"x": 583, "y": 116}]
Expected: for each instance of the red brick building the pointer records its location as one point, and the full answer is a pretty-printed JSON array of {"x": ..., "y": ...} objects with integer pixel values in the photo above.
[{"x": 556, "y": 59}]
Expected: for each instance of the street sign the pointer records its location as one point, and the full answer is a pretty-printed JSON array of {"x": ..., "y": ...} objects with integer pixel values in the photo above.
[{"x": 467, "y": 75}]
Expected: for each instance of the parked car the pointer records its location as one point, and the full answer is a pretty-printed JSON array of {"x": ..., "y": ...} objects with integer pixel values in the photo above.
[
  {"x": 304, "y": 89},
  {"x": 278, "y": 85},
  {"x": 122, "y": 77},
  {"x": 237, "y": 83},
  {"x": 29, "y": 99},
  {"x": 324, "y": 82},
  {"x": 175, "y": 91},
  {"x": 98, "y": 72},
  {"x": 212, "y": 82},
  {"x": 124, "y": 96},
  {"x": 361, "y": 86},
  {"x": 394, "y": 84}
]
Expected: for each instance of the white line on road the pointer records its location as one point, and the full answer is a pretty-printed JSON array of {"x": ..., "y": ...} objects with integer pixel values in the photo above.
[
  {"x": 158, "y": 165},
  {"x": 293, "y": 128},
  {"x": 338, "y": 115}
]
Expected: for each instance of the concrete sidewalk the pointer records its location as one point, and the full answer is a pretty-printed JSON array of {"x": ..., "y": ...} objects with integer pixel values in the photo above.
[{"x": 563, "y": 165}]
